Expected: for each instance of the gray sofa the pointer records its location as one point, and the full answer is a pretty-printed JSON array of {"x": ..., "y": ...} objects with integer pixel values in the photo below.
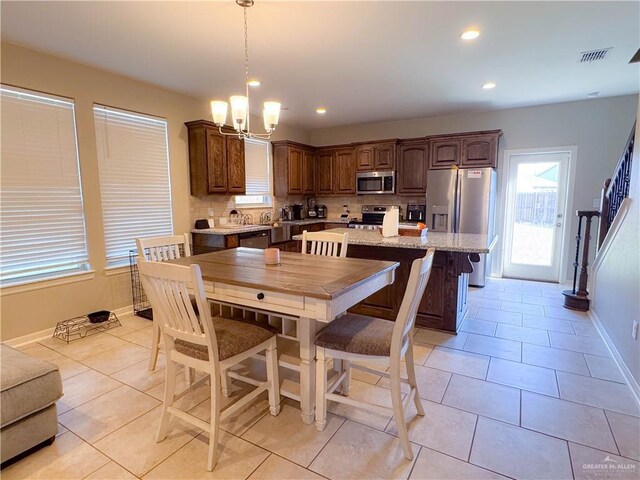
[{"x": 29, "y": 388}]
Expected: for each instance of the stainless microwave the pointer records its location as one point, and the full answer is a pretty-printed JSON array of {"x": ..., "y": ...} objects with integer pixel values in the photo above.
[{"x": 376, "y": 183}]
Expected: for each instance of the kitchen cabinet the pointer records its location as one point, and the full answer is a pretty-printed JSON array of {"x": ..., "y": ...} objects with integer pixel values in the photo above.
[
  {"x": 413, "y": 162},
  {"x": 480, "y": 151},
  {"x": 469, "y": 150},
  {"x": 445, "y": 153},
  {"x": 294, "y": 169},
  {"x": 324, "y": 171},
  {"x": 308, "y": 172},
  {"x": 375, "y": 156},
  {"x": 216, "y": 162},
  {"x": 344, "y": 172}
]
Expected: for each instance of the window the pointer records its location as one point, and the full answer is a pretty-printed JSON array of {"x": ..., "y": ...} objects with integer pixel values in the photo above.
[
  {"x": 42, "y": 231},
  {"x": 258, "y": 175},
  {"x": 134, "y": 179}
]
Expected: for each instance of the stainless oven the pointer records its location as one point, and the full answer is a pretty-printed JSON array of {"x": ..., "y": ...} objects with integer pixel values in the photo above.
[{"x": 376, "y": 183}]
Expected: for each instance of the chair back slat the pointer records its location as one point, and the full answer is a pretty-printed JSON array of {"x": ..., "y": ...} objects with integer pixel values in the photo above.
[
  {"x": 169, "y": 287},
  {"x": 418, "y": 279},
  {"x": 327, "y": 244},
  {"x": 161, "y": 249}
]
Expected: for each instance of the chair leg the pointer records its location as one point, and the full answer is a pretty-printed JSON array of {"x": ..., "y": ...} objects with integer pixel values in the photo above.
[
  {"x": 169, "y": 393},
  {"x": 411, "y": 374},
  {"x": 273, "y": 378},
  {"x": 153, "y": 359},
  {"x": 398, "y": 412},
  {"x": 346, "y": 366},
  {"x": 225, "y": 383},
  {"x": 321, "y": 389},
  {"x": 215, "y": 418}
]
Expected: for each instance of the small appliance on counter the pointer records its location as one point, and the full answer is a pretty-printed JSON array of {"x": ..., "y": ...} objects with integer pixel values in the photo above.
[
  {"x": 298, "y": 211},
  {"x": 321, "y": 211},
  {"x": 344, "y": 216},
  {"x": 203, "y": 223},
  {"x": 312, "y": 209},
  {"x": 416, "y": 213},
  {"x": 287, "y": 213}
]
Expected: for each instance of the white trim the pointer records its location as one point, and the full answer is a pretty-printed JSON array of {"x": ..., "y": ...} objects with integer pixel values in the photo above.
[
  {"x": 626, "y": 373},
  {"x": 566, "y": 229},
  {"x": 608, "y": 240},
  {"x": 116, "y": 270},
  {"x": 62, "y": 279},
  {"x": 48, "y": 332}
]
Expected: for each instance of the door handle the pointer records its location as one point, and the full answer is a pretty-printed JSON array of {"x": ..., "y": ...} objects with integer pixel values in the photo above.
[{"x": 558, "y": 224}]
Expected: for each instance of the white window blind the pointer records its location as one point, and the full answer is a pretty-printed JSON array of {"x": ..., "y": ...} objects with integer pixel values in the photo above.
[
  {"x": 257, "y": 174},
  {"x": 135, "y": 187},
  {"x": 42, "y": 230}
]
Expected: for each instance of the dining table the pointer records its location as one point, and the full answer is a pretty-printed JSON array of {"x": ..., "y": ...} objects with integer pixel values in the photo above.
[{"x": 306, "y": 290}]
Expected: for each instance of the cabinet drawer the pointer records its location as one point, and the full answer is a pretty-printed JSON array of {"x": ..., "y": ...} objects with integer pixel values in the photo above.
[{"x": 244, "y": 294}]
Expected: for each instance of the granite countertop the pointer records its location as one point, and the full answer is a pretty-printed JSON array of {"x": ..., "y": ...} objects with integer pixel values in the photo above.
[
  {"x": 308, "y": 221},
  {"x": 232, "y": 231},
  {"x": 451, "y": 242}
]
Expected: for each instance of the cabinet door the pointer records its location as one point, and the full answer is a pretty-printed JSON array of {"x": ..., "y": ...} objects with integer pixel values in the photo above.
[
  {"x": 479, "y": 152},
  {"x": 364, "y": 158},
  {"x": 216, "y": 162},
  {"x": 345, "y": 171},
  {"x": 324, "y": 172},
  {"x": 385, "y": 156},
  {"x": 295, "y": 171},
  {"x": 235, "y": 165},
  {"x": 445, "y": 153},
  {"x": 412, "y": 168},
  {"x": 308, "y": 173}
]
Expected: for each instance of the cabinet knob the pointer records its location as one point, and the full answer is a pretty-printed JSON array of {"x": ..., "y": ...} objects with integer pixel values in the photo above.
[{"x": 260, "y": 296}]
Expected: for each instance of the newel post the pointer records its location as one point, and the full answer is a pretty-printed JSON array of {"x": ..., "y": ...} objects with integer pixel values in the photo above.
[{"x": 579, "y": 299}]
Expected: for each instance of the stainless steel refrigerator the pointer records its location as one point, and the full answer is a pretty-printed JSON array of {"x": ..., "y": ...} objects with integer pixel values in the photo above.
[{"x": 463, "y": 201}]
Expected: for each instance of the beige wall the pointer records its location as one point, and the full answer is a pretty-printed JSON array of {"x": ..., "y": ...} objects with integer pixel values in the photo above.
[
  {"x": 617, "y": 278},
  {"x": 32, "y": 311},
  {"x": 599, "y": 128}
]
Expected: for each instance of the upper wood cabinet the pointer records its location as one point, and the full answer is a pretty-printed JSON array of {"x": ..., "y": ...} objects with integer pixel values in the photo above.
[
  {"x": 413, "y": 163},
  {"x": 469, "y": 150},
  {"x": 445, "y": 153},
  {"x": 344, "y": 171},
  {"x": 324, "y": 171},
  {"x": 216, "y": 162},
  {"x": 293, "y": 169},
  {"x": 308, "y": 172},
  {"x": 375, "y": 156}
]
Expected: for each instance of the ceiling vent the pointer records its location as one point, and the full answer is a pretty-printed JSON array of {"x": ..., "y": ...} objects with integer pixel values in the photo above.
[{"x": 594, "y": 55}]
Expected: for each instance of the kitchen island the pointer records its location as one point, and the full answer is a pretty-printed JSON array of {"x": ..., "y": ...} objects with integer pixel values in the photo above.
[{"x": 444, "y": 303}]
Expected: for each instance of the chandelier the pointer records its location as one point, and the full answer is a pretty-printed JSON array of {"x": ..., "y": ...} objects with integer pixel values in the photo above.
[{"x": 240, "y": 103}]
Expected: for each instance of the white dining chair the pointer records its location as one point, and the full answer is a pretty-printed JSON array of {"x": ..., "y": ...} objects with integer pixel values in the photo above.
[
  {"x": 206, "y": 344},
  {"x": 161, "y": 249},
  {"x": 358, "y": 338},
  {"x": 328, "y": 244}
]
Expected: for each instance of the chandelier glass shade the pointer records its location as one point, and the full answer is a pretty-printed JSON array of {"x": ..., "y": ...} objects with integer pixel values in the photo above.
[{"x": 240, "y": 103}]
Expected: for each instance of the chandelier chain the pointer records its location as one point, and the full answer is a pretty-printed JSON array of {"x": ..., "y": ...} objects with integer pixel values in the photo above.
[{"x": 246, "y": 47}]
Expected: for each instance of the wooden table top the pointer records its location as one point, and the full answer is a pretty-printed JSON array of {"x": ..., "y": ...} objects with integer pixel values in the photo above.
[{"x": 303, "y": 275}]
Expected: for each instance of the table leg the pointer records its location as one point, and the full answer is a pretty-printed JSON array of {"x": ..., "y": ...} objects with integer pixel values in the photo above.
[{"x": 306, "y": 335}]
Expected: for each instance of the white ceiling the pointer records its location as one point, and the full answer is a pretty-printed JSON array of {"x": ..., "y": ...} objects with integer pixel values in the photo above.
[{"x": 365, "y": 61}]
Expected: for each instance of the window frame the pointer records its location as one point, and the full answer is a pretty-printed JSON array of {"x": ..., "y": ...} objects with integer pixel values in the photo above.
[{"x": 267, "y": 197}]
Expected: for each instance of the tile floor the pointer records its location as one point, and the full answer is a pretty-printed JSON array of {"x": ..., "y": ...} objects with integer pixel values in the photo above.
[{"x": 527, "y": 389}]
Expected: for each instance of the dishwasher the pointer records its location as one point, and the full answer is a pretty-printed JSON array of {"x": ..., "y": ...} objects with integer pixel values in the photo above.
[{"x": 254, "y": 239}]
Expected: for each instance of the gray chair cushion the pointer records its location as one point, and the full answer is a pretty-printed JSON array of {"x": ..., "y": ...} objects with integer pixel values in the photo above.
[
  {"x": 27, "y": 385},
  {"x": 234, "y": 337},
  {"x": 358, "y": 334}
]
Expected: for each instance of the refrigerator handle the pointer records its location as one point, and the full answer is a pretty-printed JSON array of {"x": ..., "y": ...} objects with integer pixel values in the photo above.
[{"x": 456, "y": 205}]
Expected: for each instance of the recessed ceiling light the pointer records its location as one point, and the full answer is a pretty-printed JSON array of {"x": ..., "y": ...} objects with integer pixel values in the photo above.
[
  {"x": 471, "y": 34},
  {"x": 321, "y": 110},
  {"x": 593, "y": 94},
  {"x": 489, "y": 85},
  {"x": 253, "y": 83}
]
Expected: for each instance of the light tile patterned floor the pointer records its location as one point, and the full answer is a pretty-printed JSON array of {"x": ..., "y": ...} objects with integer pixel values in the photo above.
[{"x": 527, "y": 389}]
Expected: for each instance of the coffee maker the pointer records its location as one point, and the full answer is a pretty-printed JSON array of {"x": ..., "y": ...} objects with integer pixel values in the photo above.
[
  {"x": 322, "y": 211},
  {"x": 298, "y": 211}
]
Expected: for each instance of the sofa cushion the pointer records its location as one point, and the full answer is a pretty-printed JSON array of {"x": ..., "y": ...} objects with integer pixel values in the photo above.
[{"x": 27, "y": 385}]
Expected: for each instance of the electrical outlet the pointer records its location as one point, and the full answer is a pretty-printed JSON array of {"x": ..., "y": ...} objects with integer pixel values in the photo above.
[{"x": 634, "y": 330}]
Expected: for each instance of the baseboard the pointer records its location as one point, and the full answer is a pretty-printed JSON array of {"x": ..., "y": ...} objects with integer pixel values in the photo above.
[
  {"x": 48, "y": 332},
  {"x": 631, "y": 381}
]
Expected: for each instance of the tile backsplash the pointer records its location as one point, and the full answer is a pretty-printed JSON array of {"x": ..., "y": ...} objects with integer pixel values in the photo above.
[{"x": 220, "y": 205}]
